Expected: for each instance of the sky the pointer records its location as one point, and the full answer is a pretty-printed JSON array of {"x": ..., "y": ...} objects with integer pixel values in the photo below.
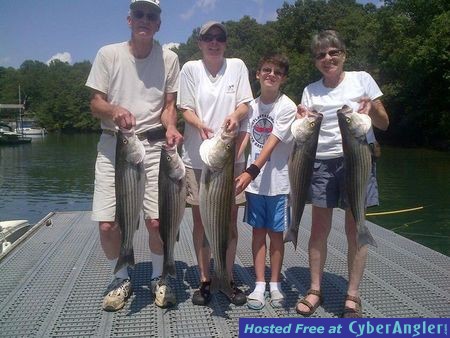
[{"x": 73, "y": 30}]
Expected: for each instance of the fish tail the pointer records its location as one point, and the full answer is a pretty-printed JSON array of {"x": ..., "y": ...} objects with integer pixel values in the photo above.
[
  {"x": 169, "y": 269},
  {"x": 365, "y": 237},
  {"x": 126, "y": 258},
  {"x": 291, "y": 236},
  {"x": 223, "y": 285}
]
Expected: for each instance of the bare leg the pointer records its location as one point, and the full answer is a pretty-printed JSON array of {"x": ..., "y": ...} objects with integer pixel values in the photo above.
[
  {"x": 110, "y": 239},
  {"x": 276, "y": 255},
  {"x": 356, "y": 258},
  {"x": 202, "y": 252},
  {"x": 155, "y": 242},
  {"x": 320, "y": 229},
  {"x": 259, "y": 248}
]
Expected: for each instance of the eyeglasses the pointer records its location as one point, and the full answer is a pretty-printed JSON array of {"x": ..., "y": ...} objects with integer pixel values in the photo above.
[
  {"x": 268, "y": 70},
  {"x": 150, "y": 16},
  {"x": 332, "y": 53},
  {"x": 211, "y": 37}
]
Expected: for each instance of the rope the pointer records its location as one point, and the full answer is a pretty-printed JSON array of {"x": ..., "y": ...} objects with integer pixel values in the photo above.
[{"x": 393, "y": 211}]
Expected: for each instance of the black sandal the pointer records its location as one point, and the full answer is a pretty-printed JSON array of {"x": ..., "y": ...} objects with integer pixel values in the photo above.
[
  {"x": 353, "y": 313},
  {"x": 312, "y": 308}
]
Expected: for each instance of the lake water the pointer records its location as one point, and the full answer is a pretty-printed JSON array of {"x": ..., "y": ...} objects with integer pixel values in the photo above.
[{"x": 56, "y": 173}]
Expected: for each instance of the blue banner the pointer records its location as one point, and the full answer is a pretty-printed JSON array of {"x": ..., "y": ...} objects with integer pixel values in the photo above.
[{"x": 348, "y": 328}]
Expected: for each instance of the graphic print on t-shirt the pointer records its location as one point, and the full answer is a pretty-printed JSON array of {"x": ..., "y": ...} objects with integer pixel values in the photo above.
[{"x": 261, "y": 128}]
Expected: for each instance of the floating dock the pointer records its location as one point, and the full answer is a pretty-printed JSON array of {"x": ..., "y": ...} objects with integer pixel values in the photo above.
[{"x": 53, "y": 281}]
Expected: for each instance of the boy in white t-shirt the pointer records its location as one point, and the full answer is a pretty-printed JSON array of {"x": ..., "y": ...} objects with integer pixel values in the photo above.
[{"x": 266, "y": 180}]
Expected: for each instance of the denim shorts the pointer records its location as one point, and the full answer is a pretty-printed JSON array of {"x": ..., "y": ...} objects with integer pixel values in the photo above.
[
  {"x": 328, "y": 185},
  {"x": 267, "y": 212}
]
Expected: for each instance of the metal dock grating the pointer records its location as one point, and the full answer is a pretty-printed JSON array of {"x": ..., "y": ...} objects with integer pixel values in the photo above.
[{"x": 52, "y": 284}]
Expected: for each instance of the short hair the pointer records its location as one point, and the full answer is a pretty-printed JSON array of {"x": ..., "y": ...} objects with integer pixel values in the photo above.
[
  {"x": 279, "y": 60},
  {"x": 325, "y": 39}
]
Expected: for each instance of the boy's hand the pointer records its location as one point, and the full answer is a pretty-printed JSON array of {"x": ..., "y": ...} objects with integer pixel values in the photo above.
[{"x": 241, "y": 182}]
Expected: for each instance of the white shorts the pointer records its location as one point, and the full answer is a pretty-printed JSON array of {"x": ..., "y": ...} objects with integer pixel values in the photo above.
[{"x": 104, "y": 201}]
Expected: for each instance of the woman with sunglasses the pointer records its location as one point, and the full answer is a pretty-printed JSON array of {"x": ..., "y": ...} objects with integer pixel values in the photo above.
[
  {"x": 335, "y": 89},
  {"x": 214, "y": 92}
]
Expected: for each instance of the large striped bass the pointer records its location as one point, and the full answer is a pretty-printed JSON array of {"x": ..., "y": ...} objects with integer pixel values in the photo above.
[
  {"x": 301, "y": 165},
  {"x": 358, "y": 166},
  {"x": 171, "y": 203},
  {"x": 129, "y": 185},
  {"x": 216, "y": 198}
]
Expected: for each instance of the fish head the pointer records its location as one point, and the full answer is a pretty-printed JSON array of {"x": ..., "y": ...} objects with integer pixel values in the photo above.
[
  {"x": 130, "y": 147},
  {"x": 304, "y": 127},
  {"x": 171, "y": 162},
  {"x": 355, "y": 123},
  {"x": 218, "y": 150}
]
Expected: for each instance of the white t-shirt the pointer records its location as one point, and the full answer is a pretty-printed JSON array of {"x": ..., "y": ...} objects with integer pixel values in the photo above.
[
  {"x": 138, "y": 85},
  {"x": 275, "y": 119},
  {"x": 328, "y": 100},
  {"x": 212, "y": 99}
]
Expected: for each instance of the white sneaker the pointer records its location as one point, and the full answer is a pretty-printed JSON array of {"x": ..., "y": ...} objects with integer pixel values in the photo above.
[
  {"x": 120, "y": 291},
  {"x": 164, "y": 297}
]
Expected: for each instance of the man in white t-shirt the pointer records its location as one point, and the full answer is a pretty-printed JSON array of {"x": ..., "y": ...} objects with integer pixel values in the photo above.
[
  {"x": 214, "y": 92},
  {"x": 134, "y": 85}
]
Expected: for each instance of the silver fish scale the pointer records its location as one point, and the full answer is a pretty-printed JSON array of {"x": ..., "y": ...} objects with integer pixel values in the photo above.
[
  {"x": 358, "y": 166},
  {"x": 172, "y": 201},
  {"x": 129, "y": 187},
  {"x": 300, "y": 167},
  {"x": 216, "y": 200}
]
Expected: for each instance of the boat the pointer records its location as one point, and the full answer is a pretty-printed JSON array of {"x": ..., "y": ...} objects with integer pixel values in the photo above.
[
  {"x": 10, "y": 231},
  {"x": 9, "y": 137},
  {"x": 29, "y": 128}
]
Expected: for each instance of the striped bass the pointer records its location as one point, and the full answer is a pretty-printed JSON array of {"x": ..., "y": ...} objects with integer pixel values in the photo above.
[
  {"x": 171, "y": 203},
  {"x": 300, "y": 166},
  {"x": 129, "y": 186},
  {"x": 358, "y": 166},
  {"x": 216, "y": 198}
]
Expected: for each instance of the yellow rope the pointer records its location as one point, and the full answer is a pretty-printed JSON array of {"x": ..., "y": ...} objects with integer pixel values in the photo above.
[{"x": 392, "y": 212}]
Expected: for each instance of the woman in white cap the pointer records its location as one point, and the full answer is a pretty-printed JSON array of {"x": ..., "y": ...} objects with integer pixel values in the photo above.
[
  {"x": 134, "y": 85},
  {"x": 214, "y": 92}
]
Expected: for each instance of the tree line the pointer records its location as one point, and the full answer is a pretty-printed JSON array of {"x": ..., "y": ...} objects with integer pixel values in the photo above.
[{"x": 404, "y": 45}]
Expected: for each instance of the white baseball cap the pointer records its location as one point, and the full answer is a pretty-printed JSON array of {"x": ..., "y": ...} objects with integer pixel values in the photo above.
[{"x": 152, "y": 3}]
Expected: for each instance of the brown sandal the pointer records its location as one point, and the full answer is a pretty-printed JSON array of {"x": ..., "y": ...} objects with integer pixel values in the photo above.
[
  {"x": 312, "y": 308},
  {"x": 353, "y": 313}
]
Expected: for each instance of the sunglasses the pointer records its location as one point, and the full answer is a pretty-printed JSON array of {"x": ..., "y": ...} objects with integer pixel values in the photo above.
[
  {"x": 332, "y": 53},
  {"x": 150, "y": 16},
  {"x": 211, "y": 37},
  {"x": 268, "y": 70}
]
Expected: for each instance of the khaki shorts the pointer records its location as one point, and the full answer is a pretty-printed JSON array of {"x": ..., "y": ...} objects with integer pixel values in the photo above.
[
  {"x": 104, "y": 201},
  {"x": 193, "y": 184}
]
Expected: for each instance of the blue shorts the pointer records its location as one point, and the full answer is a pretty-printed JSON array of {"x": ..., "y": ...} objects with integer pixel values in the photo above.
[
  {"x": 328, "y": 185},
  {"x": 267, "y": 212}
]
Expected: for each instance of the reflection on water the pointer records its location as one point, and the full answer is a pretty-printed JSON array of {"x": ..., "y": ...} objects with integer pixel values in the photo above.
[
  {"x": 56, "y": 173},
  {"x": 53, "y": 173},
  {"x": 411, "y": 178}
]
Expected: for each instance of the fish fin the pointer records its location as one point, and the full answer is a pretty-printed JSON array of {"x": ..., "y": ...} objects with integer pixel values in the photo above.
[
  {"x": 291, "y": 236},
  {"x": 365, "y": 237},
  {"x": 126, "y": 258}
]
